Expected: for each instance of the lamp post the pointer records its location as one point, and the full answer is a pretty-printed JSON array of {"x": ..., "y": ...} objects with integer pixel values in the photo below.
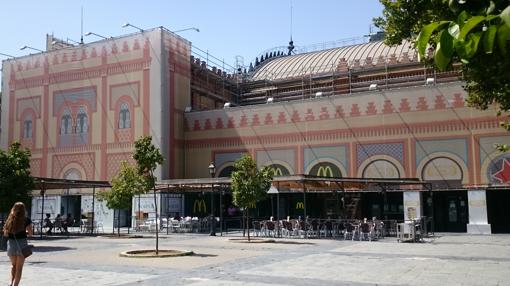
[
  {"x": 212, "y": 172},
  {"x": 273, "y": 190},
  {"x": 131, "y": 25},
  {"x": 31, "y": 48},
  {"x": 97, "y": 35},
  {"x": 187, "y": 29}
]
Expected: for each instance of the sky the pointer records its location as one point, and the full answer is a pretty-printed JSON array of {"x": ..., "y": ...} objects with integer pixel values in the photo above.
[{"x": 228, "y": 28}]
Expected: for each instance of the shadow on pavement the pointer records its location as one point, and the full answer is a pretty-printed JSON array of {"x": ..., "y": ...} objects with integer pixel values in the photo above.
[
  {"x": 204, "y": 255},
  {"x": 51, "y": 248}
]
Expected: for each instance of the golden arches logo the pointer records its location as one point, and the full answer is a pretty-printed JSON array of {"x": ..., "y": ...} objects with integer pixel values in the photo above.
[
  {"x": 325, "y": 171},
  {"x": 252, "y": 205},
  {"x": 277, "y": 171},
  {"x": 199, "y": 204},
  {"x": 300, "y": 205}
]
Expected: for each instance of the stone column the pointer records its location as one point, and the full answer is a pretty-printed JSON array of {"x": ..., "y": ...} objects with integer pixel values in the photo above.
[
  {"x": 412, "y": 205},
  {"x": 477, "y": 213}
]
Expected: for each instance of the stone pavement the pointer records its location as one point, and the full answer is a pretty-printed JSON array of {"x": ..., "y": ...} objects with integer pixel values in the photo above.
[{"x": 448, "y": 259}]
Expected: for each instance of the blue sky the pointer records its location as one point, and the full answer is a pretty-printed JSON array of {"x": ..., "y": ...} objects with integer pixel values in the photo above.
[{"x": 228, "y": 28}]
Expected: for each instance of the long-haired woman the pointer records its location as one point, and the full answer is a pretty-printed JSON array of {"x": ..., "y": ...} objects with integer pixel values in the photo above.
[{"x": 16, "y": 229}]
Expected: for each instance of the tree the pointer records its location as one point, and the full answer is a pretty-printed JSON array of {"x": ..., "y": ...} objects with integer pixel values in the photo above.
[
  {"x": 474, "y": 34},
  {"x": 249, "y": 185},
  {"x": 148, "y": 158},
  {"x": 15, "y": 180},
  {"x": 125, "y": 185}
]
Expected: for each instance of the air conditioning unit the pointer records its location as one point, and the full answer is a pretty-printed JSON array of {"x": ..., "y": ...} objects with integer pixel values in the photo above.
[
  {"x": 269, "y": 100},
  {"x": 318, "y": 94},
  {"x": 187, "y": 109},
  {"x": 227, "y": 105},
  {"x": 373, "y": 86},
  {"x": 430, "y": 81}
]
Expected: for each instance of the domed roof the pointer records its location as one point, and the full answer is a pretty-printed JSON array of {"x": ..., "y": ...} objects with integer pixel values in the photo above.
[{"x": 327, "y": 61}]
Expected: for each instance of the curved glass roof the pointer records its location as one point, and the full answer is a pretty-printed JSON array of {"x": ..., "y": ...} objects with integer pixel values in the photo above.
[{"x": 327, "y": 61}]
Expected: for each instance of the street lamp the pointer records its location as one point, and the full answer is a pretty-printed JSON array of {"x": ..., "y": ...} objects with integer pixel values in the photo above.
[
  {"x": 97, "y": 35},
  {"x": 187, "y": 29},
  {"x": 212, "y": 172},
  {"x": 273, "y": 190},
  {"x": 31, "y": 48},
  {"x": 131, "y": 25}
]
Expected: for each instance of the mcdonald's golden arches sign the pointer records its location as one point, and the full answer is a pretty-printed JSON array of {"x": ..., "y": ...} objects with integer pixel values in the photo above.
[{"x": 199, "y": 206}]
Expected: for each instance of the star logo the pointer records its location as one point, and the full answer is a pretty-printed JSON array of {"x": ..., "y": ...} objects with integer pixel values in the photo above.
[{"x": 503, "y": 175}]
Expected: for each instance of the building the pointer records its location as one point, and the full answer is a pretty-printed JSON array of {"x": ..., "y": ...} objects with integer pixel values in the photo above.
[{"x": 360, "y": 111}]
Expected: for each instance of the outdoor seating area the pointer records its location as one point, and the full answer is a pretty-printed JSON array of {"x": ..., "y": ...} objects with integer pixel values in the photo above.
[
  {"x": 347, "y": 229},
  {"x": 171, "y": 225}
]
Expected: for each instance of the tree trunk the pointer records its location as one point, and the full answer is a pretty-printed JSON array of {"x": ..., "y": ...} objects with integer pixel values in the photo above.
[
  {"x": 157, "y": 228},
  {"x": 248, "y": 223},
  {"x": 118, "y": 221}
]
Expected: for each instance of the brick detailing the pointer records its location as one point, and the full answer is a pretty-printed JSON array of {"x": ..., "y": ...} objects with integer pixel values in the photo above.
[
  {"x": 355, "y": 110},
  {"x": 422, "y": 104},
  {"x": 281, "y": 118},
  {"x": 339, "y": 113},
  {"x": 439, "y": 103},
  {"x": 244, "y": 121},
  {"x": 114, "y": 161},
  {"x": 125, "y": 47},
  {"x": 93, "y": 54},
  {"x": 371, "y": 109},
  {"x": 115, "y": 50},
  {"x": 219, "y": 123},
  {"x": 388, "y": 107},
  {"x": 458, "y": 101},
  {"x": 255, "y": 120},
  {"x": 85, "y": 160},
  {"x": 269, "y": 119},
  {"x": 309, "y": 115},
  {"x": 394, "y": 150},
  {"x": 136, "y": 45},
  {"x": 207, "y": 124},
  {"x": 231, "y": 123},
  {"x": 404, "y": 105},
  {"x": 196, "y": 125},
  {"x": 295, "y": 116},
  {"x": 35, "y": 167},
  {"x": 324, "y": 115}
]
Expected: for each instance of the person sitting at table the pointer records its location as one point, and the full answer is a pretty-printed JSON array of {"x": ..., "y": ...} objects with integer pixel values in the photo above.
[
  {"x": 57, "y": 223},
  {"x": 48, "y": 224},
  {"x": 69, "y": 222}
]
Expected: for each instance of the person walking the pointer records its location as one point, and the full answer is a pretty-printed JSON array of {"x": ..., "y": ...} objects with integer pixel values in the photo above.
[{"x": 16, "y": 228}]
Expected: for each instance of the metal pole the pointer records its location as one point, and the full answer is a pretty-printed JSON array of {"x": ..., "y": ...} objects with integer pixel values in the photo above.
[
  {"x": 304, "y": 206},
  {"x": 221, "y": 212},
  {"x": 42, "y": 208},
  {"x": 93, "y": 210},
  {"x": 213, "y": 220}
]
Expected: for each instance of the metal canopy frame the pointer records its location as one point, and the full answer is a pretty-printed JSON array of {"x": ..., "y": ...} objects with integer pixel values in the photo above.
[{"x": 302, "y": 183}]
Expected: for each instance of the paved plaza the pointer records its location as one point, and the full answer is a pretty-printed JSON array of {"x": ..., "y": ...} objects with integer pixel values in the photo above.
[{"x": 444, "y": 260}]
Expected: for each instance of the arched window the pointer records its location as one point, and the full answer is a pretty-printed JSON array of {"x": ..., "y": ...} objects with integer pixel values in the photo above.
[
  {"x": 279, "y": 170},
  {"x": 325, "y": 169},
  {"x": 226, "y": 172},
  {"x": 66, "y": 122},
  {"x": 27, "y": 127},
  {"x": 82, "y": 121},
  {"x": 124, "y": 116},
  {"x": 381, "y": 168}
]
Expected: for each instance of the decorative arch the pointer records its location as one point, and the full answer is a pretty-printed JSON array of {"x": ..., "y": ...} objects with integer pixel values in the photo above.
[
  {"x": 66, "y": 122},
  {"x": 381, "y": 166},
  {"x": 225, "y": 170},
  {"x": 496, "y": 168},
  {"x": 279, "y": 170},
  {"x": 124, "y": 118},
  {"x": 325, "y": 167},
  {"x": 73, "y": 171},
  {"x": 443, "y": 166},
  {"x": 284, "y": 166},
  {"x": 82, "y": 122}
]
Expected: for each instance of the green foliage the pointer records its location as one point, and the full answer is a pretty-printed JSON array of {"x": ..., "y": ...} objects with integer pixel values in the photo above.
[
  {"x": 249, "y": 185},
  {"x": 147, "y": 157},
  {"x": 475, "y": 34},
  {"x": 124, "y": 186},
  {"x": 15, "y": 180}
]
